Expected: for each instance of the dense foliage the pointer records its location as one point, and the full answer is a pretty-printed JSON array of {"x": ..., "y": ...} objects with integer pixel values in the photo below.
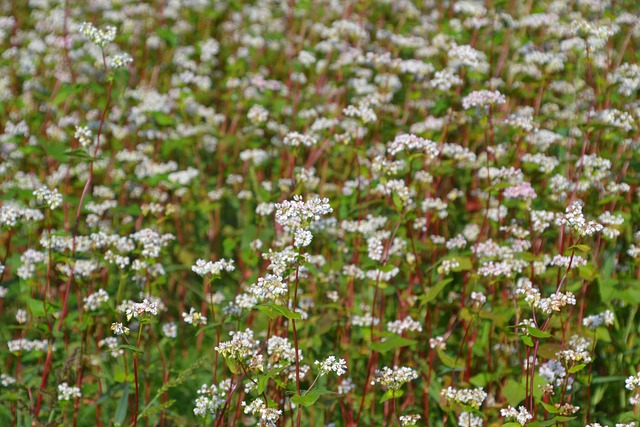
[{"x": 319, "y": 213}]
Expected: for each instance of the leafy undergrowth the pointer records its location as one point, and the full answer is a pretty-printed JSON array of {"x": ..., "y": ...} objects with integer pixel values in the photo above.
[{"x": 319, "y": 213}]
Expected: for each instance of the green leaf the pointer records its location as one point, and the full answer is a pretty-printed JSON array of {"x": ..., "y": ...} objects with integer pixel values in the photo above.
[
  {"x": 435, "y": 290},
  {"x": 63, "y": 93},
  {"x": 391, "y": 394},
  {"x": 36, "y": 307},
  {"x": 233, "y": 365},
  {"x": 80, "y": 154},
  {"x": 450, "y": 361},
  {"x": 272, "y": 310},
  {"x": 550, "y": 408},
  {"x": 514, "y": 391},
  {"x": 581, "y": 248},
  {"x": 464, "y": 264},
  {"x": 577, "y": 368},
  {"x": 130, "y": 347},
  {"x": 391, "y": 344},
  {"x": 608, "y": 379},
  {"x": 168, "y": 36},
  {"x": 308, "y": 399},
  {"x": 587, "y": 272},
  {"x": 526, "y": 339},
  {"x": 123, "y": 405},
  {"x": 537, "y": 333},
  {"x": 162, "y": 119}
]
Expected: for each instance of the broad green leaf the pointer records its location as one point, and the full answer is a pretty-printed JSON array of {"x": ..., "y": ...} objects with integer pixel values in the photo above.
[
  {"x": 435, "y": 290},
  {"x": 450, "y": 361},
  {"x": 391, "y": 344},
  {"x": 537, "y": 333},
  {"x": 36, "y": 307},
  {"x": 307, "y": 399},
  {"x": 123, "y": 405},
  {"x": 391, "y": 394},
  {"x": 130, "y": 347}
]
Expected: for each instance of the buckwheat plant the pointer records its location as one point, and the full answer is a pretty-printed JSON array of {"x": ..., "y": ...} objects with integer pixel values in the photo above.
[{"x": 319, "y": 213}]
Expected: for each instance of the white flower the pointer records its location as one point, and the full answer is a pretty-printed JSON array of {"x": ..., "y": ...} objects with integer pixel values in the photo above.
[
  {"x": 66, "y": 392},
  {"x": 99, "y": 37},
  {"x": 521, "y": 414},
  {"x": 331, "y": 364},
  {"x": 194, "y": 318}
]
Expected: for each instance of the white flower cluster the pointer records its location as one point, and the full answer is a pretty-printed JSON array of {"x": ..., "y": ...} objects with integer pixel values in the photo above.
[
  {"x": 11, "y": 214},
  {"x": 296, "y": 139},
  {"x": 628, "y": 76},
  {"x": 51, "y": 198},
  {"x": 632, "y": 382},
  {"x": 469, "y": 419},
  {"x": 408, "y": 142},
  {"x": 437, "y": 343},
  {"x": 120, "y": 61},
  {"x": 96, "y": 299},
  {"x": 554, "y": 373},
  {"x": 170, "y": 330},
  {"x": 143, "y": 308},
  {"x": 296, "y": 216},
  {"x": 521, "y": 414},
  {"x": 257, "y": 114},
  {"x": 99, "y": 37},
  {"x": 331, "y": 364},
  {"x": 605, "y": 318},
  {"x": 6, "y": 380},
  {"x": 410, "y": 420},
  {"x": 406, "y": 324},
  {"x": 268, "y": 288},
  {"x": 576, "y": 220},
  {"x": 394, "y": 378},
  {"x": 483, "y": 98},
  {"x": 21, "y": 316},
  {"x": 111, "y": 343},
  {"x": 556, "y": 301},
  {"x": 67, "y": 392},
  {"x": 119, "y": 329},
  {"x": 22, "y": 344},
  {"x": 194, "y": 318},
  {"x": 202, "y": 267},
  {"x": 447, "y": 266},
  {"x": 211, "y": 398},
  {"x": 471, "y": 397},
  {"x": 267, "y": 416},
  {"x": 241, "y": 347},
  {"x": 578, "y": 352},
  {"x": 84, "y": 136}
]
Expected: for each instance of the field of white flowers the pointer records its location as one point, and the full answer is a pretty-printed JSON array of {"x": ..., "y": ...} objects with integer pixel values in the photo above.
[{"x": 327, "y": 213}]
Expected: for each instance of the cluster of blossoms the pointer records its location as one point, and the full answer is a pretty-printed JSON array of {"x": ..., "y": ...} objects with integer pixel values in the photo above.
[
  {"x": 575, "y": 219},
  {"x": 606, "y": 318},
  {"x": 242, "y": 346},
  {"x": 67, "y": 392},
  {"x": 266, "y": 416},
  {"x": 98, "y": 36},
  {"x": 51, "y": 198},
  {"x": 194, "y": 318},
  {"x": 141, "y": 309},
  {"x": 211, "y": 398},
  {"x": 483, "y": 98},
  {"x": 296, "y": 216},
  {"x": 521, "y": 415},
  {"x": 464, "y": 169},
  {"x": 214, "y": 268},
  {"x": 471, "y": 397},
  {"x": 394, "y": 378},
  {"x": 331, "y": 364}
]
